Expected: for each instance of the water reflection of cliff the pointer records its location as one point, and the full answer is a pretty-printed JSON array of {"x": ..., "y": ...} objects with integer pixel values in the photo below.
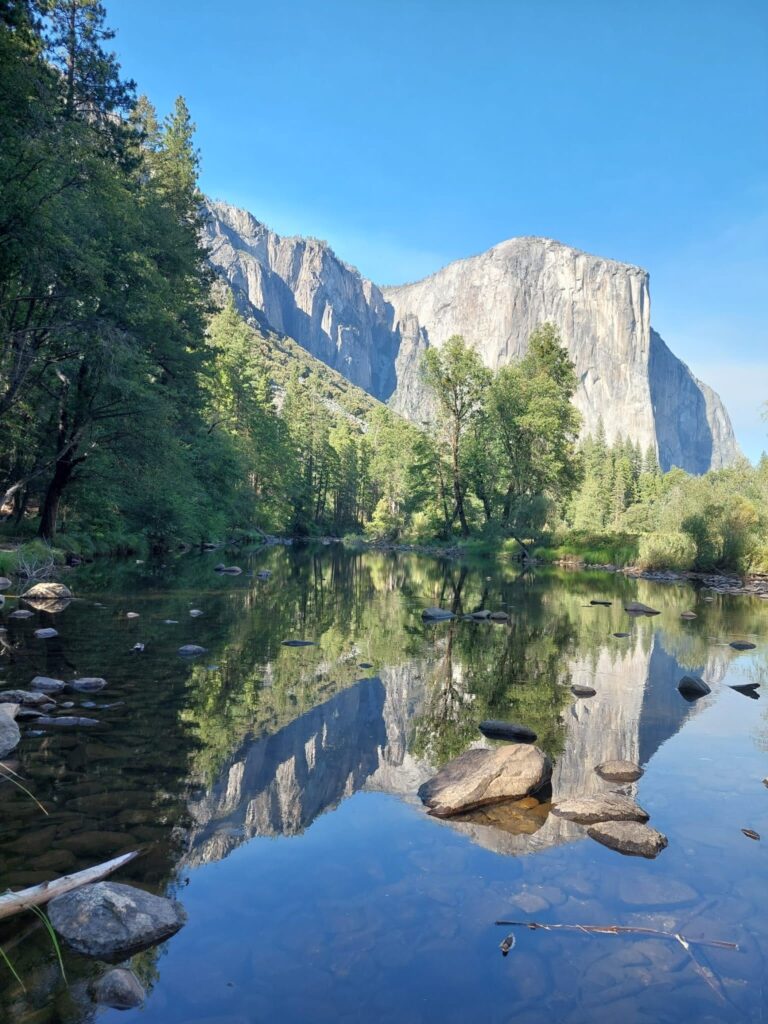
[{"x": 359, "y": 739}]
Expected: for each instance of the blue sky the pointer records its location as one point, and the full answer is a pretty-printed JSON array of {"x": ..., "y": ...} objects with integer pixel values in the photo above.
[{"x": 409, "y": 133}]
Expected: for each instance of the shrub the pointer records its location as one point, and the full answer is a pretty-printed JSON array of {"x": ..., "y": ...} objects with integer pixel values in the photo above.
[{"x": 666, "y": 551}]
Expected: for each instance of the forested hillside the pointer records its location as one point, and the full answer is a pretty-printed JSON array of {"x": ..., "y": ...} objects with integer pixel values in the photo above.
[{"x": 138, "y": 409}]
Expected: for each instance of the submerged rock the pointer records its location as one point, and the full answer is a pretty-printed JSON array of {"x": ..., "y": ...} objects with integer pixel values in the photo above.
[
  {"x": 497, "y": 730},
  {"x": 87, "y": 684},
  {"x": 47, "y": 685},
  {"x": 620, "y": 636},
  {"x": 691, "y": 687},
  {"x": 605, "y": 604},
  {"x": 190, "y": 650},
  {"x": 582, "y": 691},
  {"x": 589, "y": 810},
  {"x": 48, "y": 591},
  {"x": 437, "y": 614},
  {"x": 111, "y": 921},
  {"x": 479, "y": 777},
  {"x": 629, "y": 837},
  {"x": 46, "y": 634},
  {"x": 298, "y": 643},
  {"x": 619, "y": 771},
  {"x": 499, "y": 617},
  {"x": 21, "y": 613},
  {"x": 742, "y": 645},
  {"x": 65, "y": 721},
  {"x": 120, "y": 989},
  {"x": 638, "y": 608}
]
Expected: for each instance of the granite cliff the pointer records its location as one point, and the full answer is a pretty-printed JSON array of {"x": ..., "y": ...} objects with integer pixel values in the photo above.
[{"x": 375, "y": 337}]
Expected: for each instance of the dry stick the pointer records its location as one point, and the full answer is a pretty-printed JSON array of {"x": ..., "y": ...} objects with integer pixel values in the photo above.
[
  {"x": 14, "y": 902},
  {"x": 617, "y": 929}
]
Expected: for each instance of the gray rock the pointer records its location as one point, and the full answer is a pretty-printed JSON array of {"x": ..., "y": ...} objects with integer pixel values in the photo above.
[
  {"x": 688, "y": 615},
  {"x": 196, "y": 613},
  {"x": 497, "y": 730},
  {"x": 629, "y": 837},
  {"x": 87, "y": 684},
  {"x": 191, "y": 650},
  {"x": 619, "y": 771},
  {"x": 66, "y": 722},
  {"x": 691, "y": 687},
  {"x": 44, "y": 684},
  {"x": 46, "y": 634},
  {"x": 9, "y": 731},
  {"x": 120, "y": 989},
  {"x": 5, "y": 583},
  {"x": 132, "y": 615},
  {"x": 48, "y": 591},
  {"x": 479, "y": 777},
  {"x": 21, "y": 613},
  {"x": 638, "y": 608},
  {"x": 437, "y": 614},
  {"x": 376, "y": 336},
  {"x": 588, "y": 810},
  {"x": 499, "y": 617},
  {"x": 582, "y": 691},
  {"x": 231, "y": 570},
  {"x": 27, "y": 697},
  {"x": 742, "y": 645},
  {"x": 111, "y": 921}
]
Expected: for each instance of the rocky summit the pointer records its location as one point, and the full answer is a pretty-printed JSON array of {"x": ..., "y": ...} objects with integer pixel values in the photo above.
[{"x": 375, "y": 337}]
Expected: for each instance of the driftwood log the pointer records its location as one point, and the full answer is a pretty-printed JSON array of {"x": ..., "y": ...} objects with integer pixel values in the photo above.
[{"x": 14, "y": 902}]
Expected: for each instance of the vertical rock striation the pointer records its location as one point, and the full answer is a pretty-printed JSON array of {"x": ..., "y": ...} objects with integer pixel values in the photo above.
[{"x": 375, "y": 337}]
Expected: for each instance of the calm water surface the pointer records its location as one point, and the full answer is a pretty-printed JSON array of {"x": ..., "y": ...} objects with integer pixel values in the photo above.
[{"x": 273, "y": 791}]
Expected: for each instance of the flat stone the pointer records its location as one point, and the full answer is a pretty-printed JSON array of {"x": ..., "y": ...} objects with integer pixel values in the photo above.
[
  {"x": 48, "y": 591},
  {"x": 605, "y": 604},
  {"x": 120, "y": 989},
  {"x": 582, "y": 691},
  {"x": 196, "y": 613},
  {"x": 691, "y": 687},
  {"x": 742, "y": 645},
  {"x": 46, "y": 634},
  {"x": 638, "y": 608},
  {"x": 132, "y": 615},
  {"x": 499, "y": 617},
  {"x": 87, "y": 684},
  {"x": 479, "y": 777},
  {"x": 65, "y": 721},
  {"x": 231, "y": 570},
  {"x": 629, "y": 837},
  {"x": 111, "y": 921},
  {"x": 511, "y": 731},
  {"x": 589, "y": 810},
  {"x": 620, "y": 636},
  {"x": 21, "y": 613},
  {"x": 47, "y": 685},
  {"x": 437, "y": 614},
  {"x": 480, "y": 615},
  {"x": 688, "y": 615},
  {"x": 298, "y": 643},
  {"x": 190, "y": 650},
  {"x": 27, "y": 697},
  {"x": 619, "y": 771}
]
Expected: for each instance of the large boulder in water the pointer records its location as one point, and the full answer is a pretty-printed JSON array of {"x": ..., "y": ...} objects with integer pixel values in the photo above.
[
  {"x": 111, "y": 921},
  {"x": 9, "y": 731},
  {"x": 691, "y": 687},
  {"x": 437, "y": 615},
  {"x": 588, "y": 810},
  {"x": 48, "y": 591},
  {"x": 44, "y": 684},
  {"x": 479, "y": 777},
  {"x": 638, "y": 608},
  {"x": 629, "y": 837}
]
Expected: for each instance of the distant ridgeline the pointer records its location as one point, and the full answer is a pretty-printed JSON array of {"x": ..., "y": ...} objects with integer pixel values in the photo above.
[{"x": 628, "y": 379}]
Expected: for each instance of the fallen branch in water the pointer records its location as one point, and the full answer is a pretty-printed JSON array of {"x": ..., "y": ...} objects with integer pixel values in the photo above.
[
  {"x": 619, "y": 929},
  {"x": 14, "y": 902}
]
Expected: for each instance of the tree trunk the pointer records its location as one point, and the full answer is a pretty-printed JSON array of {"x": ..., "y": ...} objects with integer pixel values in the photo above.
[
  {"x": 50, "y": 511},
  {"x": 457, "y": 492}
]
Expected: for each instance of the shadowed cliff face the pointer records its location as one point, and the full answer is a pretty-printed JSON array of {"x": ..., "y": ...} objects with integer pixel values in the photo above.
[{"x": 376, "y": 337}]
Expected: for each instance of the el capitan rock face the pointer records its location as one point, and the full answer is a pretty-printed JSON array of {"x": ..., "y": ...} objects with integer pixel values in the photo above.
[{"x": 376, "y": 336}]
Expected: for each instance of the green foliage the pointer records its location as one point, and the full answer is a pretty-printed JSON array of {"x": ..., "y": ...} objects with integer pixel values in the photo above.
[{"x": 666, "y": 551}]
